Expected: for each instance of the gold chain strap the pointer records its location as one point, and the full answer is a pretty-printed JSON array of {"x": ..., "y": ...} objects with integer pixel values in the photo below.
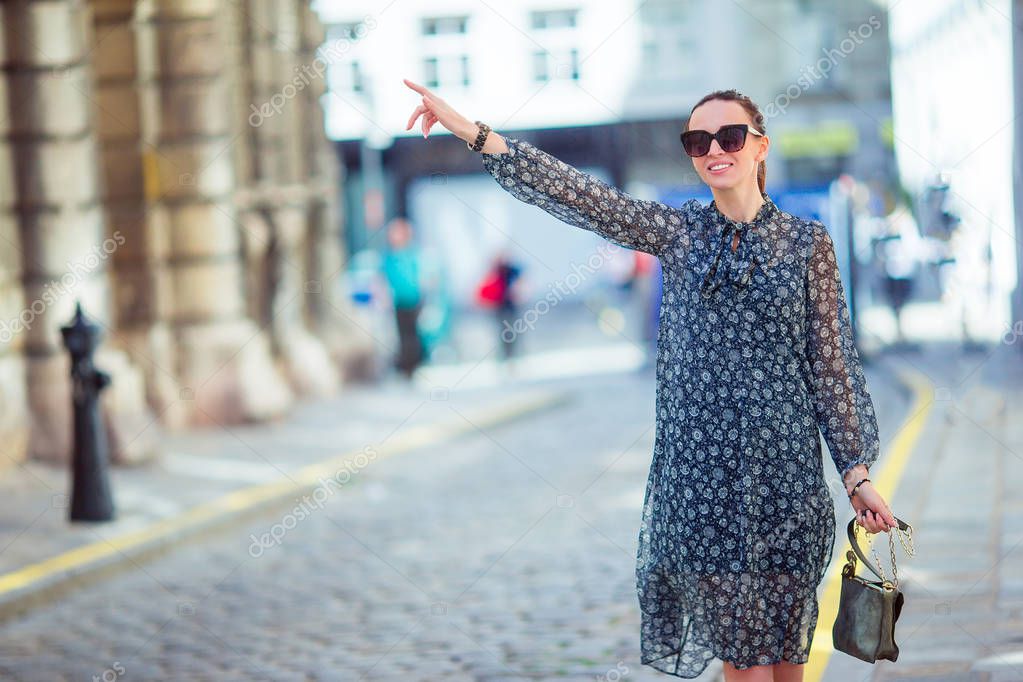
[{"x": 910, "y": 549}]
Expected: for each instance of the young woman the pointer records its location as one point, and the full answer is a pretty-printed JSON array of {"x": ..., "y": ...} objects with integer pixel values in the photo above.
[{"x": 754, "y": 355}]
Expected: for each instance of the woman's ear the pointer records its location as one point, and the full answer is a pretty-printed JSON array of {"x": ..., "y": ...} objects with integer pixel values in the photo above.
[{"x": 765, "y": 146}]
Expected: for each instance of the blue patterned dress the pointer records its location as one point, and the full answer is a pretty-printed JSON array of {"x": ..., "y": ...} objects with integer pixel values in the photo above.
[{"x": 755, "y": 359}]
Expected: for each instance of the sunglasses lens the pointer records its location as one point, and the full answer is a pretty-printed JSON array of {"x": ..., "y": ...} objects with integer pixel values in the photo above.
[
  {"x": 696, "y": 142},
  {"x": 732, "y": 139}
]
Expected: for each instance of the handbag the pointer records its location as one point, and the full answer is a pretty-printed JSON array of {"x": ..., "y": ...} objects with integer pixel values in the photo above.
[{"x": 868, "y": 609}]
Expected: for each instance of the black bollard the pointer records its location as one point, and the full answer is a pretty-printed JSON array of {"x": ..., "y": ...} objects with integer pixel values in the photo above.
[{"x": 90, "y": 491}]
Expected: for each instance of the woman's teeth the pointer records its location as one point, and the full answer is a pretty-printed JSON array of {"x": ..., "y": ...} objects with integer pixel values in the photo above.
[{"x": 719, "y": 166}]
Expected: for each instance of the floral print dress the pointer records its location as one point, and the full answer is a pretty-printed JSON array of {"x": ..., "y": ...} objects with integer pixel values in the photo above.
[{"x": 755, "y": 359}]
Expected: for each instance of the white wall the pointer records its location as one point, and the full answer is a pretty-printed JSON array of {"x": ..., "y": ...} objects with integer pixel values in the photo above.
[{"x": 500, "y": 44}]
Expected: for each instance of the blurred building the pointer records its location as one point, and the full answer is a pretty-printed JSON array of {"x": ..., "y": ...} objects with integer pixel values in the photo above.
[
  {"x": 606, "y": 88},
  {"x": 608, "y": 85},
  {"x": 166, "y": 163},
  {"x": 952, "y": 76}
]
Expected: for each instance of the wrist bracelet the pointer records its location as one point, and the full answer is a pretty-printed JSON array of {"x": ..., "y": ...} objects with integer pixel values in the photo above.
[
  {"x": 853, "y": 491},
  {"x": 481, "y": 137}
]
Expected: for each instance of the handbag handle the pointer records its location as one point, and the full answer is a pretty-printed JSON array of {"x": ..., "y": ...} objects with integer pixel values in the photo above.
[{"x": 851, "y": 531}]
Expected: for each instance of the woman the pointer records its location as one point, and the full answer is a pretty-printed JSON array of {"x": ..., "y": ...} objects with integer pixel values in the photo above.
[{"x": 755, "y": 354}]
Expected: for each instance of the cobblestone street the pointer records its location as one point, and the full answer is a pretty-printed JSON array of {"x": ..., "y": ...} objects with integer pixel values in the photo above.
[{"x": 505, "y": 554}]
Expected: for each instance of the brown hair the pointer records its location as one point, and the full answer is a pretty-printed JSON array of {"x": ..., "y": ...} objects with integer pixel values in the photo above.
[{"x": 754, "y": 113}]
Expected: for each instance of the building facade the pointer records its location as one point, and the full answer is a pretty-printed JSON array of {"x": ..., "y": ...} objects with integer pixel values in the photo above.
[
  {"x": 606, "y": 87},
  {"x": 165, "y": 163}
]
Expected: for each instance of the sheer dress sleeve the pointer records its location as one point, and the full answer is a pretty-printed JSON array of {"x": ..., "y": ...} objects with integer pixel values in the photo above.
[
  {"x": 844, "y": 409},
  {"x": 580, "y": 199}
]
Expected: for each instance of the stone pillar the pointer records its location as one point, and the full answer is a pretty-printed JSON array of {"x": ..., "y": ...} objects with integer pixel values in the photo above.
[
  {"x": 14, "y": 413},
  {"x": 224, "y": 363},
  {"x": 65, "y": 248},
  {"x": 139, "y": 275},
  {"x": 60, "y": 216},
  {"x": 327, "y": 303},
  {"x": 278, "y": 196}
]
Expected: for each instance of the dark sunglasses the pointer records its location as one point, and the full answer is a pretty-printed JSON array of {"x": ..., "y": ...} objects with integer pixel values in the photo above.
[{"x": 731, "y": 137}]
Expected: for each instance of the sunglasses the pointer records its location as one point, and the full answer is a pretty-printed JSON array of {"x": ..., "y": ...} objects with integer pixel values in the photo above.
[{"x": 731, "y": 137}]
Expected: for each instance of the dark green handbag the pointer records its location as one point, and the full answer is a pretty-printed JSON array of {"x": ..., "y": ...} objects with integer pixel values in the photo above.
[{"x": 868, "y": 609}]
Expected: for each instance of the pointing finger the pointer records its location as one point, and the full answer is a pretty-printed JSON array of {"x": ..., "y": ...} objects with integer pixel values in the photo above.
[{"x": 415, "y": 86}]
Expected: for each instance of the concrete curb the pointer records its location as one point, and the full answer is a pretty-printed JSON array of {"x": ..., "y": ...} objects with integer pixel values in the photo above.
[{"x": 40, "y": 583}]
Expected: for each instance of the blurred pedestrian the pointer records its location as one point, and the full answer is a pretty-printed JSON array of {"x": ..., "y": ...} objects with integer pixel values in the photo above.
[
  {"x": 499, "y": 292},
  {"x": 901, "y": 255},
  {"x": 401, "y": 266}
]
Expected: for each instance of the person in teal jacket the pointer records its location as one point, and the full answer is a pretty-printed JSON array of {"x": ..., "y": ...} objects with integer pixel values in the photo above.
[{"x": 401, "y": 267}]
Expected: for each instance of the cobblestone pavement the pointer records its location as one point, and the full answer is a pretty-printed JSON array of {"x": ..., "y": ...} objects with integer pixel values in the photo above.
[{"x": 507, "y": 554}]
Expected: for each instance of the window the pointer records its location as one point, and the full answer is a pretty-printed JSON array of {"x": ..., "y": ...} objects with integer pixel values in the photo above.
[
  {"x": 572, "y": 66},
  {"x": 435, "y": 26},
  {"x": 556, "y": 64},
  {"x": 540, "y": 66},
  {"x": 560, "y": 61},
  {"x": 356, "y": 83},
  {"x": 446, "y": 70},
  {"x": 561, "y": 18},
  {"x": 346, "y": 76},
  {"x": 431, "y": 72},
  {"x": 350, "y": 30},
  {"x": 445, "y": 55}
]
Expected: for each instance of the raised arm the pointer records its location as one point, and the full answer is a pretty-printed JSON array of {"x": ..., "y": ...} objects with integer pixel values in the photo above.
[
  {"x": 577, "y": 198},
  {"x": 581, "y": 199},
  {"x": 845, "y": 411}
]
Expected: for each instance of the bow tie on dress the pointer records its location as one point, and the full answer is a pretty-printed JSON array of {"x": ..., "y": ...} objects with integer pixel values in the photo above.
[{"x": 736, "y": 267}]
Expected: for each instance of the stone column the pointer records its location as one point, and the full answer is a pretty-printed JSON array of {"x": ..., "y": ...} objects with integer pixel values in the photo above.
[
  {"x": 224, "y": 361},
  {"x": 138, "y": 267},
  {"x": 66, "y": 250},
  {"x": 327, "y": 303},
  {"x": 60, "y": 216},
  {"x": 14, "y": 412},
  {"x": 277, "y": 202}
]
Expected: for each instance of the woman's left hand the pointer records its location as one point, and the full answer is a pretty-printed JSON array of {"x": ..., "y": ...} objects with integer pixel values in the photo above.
[{"x": 872, "y": 512}]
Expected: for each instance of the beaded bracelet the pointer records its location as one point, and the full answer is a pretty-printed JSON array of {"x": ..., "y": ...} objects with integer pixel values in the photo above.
[
  {"x": 853, "y": 491},
  {"x": 481, "y": 137}
]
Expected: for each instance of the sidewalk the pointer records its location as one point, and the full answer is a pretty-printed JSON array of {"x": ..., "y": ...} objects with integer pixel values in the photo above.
[
  {"x": 960, "y": 490},
  {"x": 207, "y": 479}
]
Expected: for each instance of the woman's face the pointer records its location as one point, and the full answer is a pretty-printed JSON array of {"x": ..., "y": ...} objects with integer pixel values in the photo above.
[{"x": 741, "y": 166}]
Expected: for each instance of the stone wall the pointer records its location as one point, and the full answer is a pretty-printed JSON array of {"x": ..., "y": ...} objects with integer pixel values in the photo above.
[{"x": 205, "y": 239}]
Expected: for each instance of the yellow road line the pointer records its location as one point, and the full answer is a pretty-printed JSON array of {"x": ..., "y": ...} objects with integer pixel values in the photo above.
[
  {"x": 79, "y": 558},
  {"x": 891, "y": 473}
]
